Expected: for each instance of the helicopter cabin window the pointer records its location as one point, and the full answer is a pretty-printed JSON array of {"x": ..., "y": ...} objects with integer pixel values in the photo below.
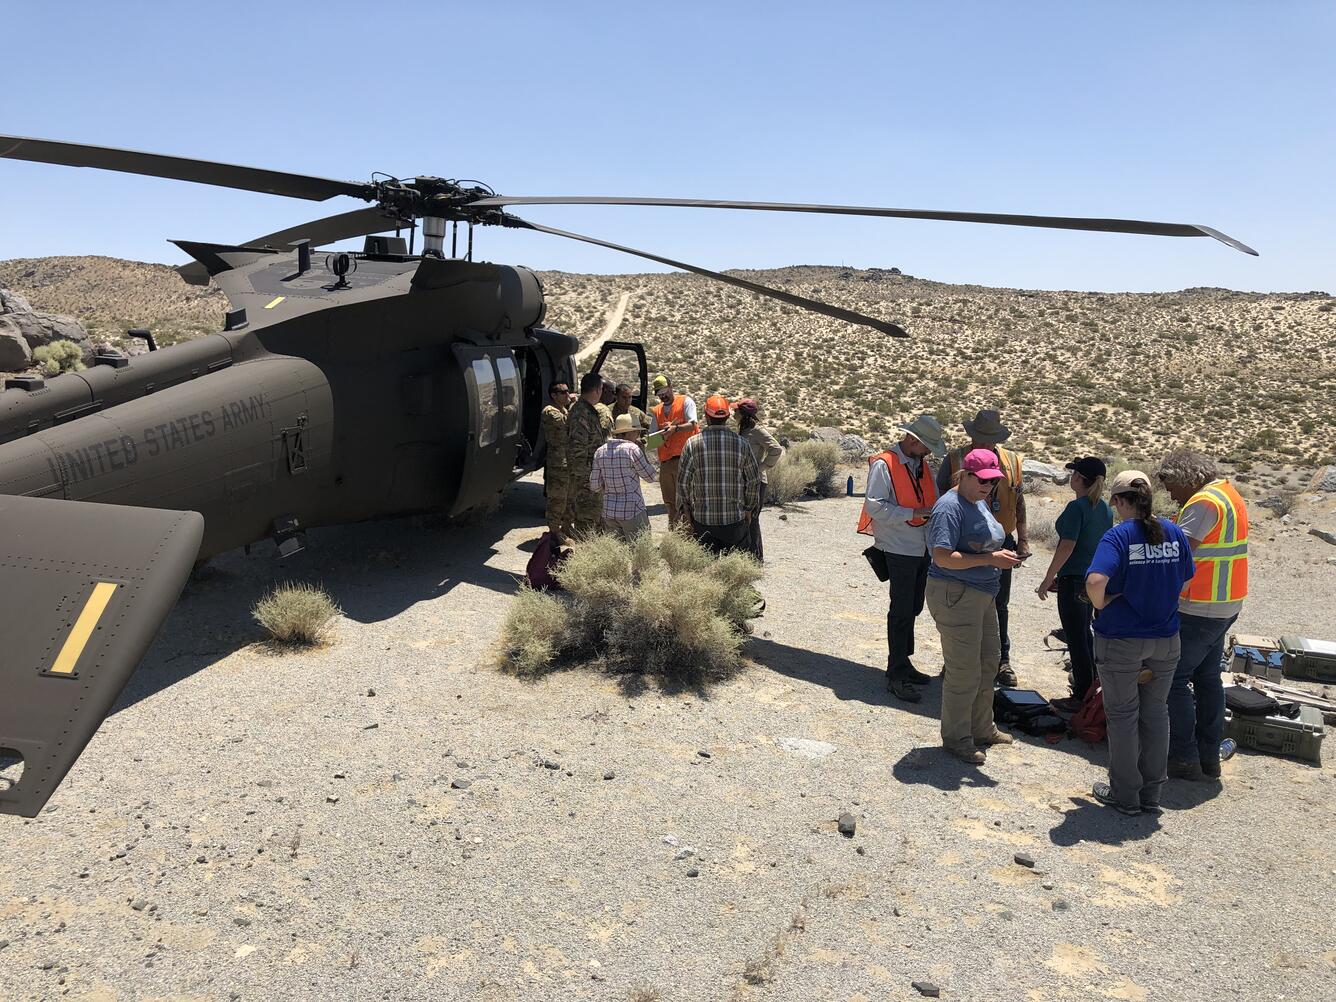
[
  {"x": 484, "y": 380},
  {"x": 510, "y": 396}
]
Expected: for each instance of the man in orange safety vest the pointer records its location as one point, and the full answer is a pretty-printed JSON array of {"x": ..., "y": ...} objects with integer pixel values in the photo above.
[{"x": 898, "y": 501}]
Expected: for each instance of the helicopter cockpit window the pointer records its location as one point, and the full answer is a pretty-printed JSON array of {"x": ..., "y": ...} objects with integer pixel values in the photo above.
[
  {"x": 484, "y": 379},
  {"x": 510, "y": 396}
]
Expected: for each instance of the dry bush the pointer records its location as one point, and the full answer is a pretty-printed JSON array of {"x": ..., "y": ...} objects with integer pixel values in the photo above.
[
  {"x": 57, "y": 357},
  {"x": 533, "y": 631},
  {"x": 790, "y": 480},
  {"x": 296, "y": 614},
  {"x": 825, "y": 457},
  {"x": 1041, "y": 524},
  {"x": 671, "y": 610}
]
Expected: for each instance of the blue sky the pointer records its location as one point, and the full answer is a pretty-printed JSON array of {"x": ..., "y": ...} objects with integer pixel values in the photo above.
[{"x": 1216, "y": 113}]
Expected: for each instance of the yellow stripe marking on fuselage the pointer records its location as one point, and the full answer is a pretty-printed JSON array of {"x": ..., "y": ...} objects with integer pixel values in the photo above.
[
  {"x": 274, "y": 302},
  {"x": 83, "y": 628}
]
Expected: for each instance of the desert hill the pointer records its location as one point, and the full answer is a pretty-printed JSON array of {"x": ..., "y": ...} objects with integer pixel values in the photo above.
[{"x": 1248, "y": 376}]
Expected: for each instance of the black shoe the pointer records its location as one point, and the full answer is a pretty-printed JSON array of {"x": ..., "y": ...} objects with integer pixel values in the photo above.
[
  {"x": 1065, "y": 704},
  {"x": 1154, "y": 809},
  {"x": 1006, "y": 678},
  {"x": 1210, "y": 769},
  {"x": 1102, "y": 793},
  {"x": 903, "y": 689},
  {"x": 1186, "y": 770},
  {"x": 917, "y": 677}
]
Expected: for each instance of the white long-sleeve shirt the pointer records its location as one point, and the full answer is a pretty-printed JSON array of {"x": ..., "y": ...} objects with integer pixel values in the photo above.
[{"x": 891, "y": 530}]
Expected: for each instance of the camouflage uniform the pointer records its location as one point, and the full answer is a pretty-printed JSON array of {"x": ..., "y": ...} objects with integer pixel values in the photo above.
[
  {"x": 587, "y": 427},
  {"x": 557, "y": 480}
]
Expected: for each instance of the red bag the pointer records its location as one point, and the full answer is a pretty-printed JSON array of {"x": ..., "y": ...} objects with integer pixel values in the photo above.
[
  {"x": 1089, "y": 723},
  {"x": 541, "y": 571}
]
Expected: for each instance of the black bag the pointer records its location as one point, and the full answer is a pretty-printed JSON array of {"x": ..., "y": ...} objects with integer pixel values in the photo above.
[
  {"x": 1248, "y": 702},
  {"x": 1026, "y": 710},
  {"x": 877, "y": 560}
]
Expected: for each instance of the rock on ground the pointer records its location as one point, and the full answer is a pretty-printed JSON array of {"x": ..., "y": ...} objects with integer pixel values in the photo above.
[
  {"x": 38, "y": 328},
  {"x": 15, "y": 354}
]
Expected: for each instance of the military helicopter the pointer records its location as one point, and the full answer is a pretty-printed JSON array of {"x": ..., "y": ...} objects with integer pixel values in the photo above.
[{"x": 360, "y": 386}]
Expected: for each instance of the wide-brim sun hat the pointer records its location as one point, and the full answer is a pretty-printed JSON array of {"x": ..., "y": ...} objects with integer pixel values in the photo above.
[
  {"x": 622, "y": 424},
  {"x": 926, "y": 429},
  {"x": 987, "y": 427}
]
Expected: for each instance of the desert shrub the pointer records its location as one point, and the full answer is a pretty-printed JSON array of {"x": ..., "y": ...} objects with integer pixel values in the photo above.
[
  {"x": 669, "y": 609},
  {"x": 790, "y": 479},
  {"x": 825, "y": 457},
  {"x": 533, "y": 631},
  {"x": 57, "y": 357},
  {"x": 296, "y": 614},
  {"x": 1040, "y": 524}
]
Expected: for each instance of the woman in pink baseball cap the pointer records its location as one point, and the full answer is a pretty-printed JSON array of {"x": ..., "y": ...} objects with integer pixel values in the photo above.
[{"x": 965, "y": 541}]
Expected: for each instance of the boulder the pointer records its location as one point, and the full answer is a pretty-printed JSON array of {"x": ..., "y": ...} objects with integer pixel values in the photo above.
[
  {"x": 39, "y": 328},
  {"x": 832, "y": 435},
  {"x": 1325, "y": 480},
  {"x": 1032, "y": 469},
  {"x": 854, "y": 447},
  {"x": 15, "y": 355}
]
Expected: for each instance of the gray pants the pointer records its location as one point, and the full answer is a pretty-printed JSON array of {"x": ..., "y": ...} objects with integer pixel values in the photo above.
[
  {"x": 1138, "y": 714},
  {"x": 971, "y": 648}
]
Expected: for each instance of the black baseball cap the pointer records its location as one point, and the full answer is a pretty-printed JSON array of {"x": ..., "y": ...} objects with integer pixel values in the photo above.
[{"x": 1090, "y": 467}]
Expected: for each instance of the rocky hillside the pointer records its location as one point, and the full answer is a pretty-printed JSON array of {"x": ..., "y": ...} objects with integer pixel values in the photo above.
[{"x": 1247, "y": 376}]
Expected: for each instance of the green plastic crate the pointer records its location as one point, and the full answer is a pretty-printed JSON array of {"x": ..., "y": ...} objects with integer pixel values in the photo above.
[
  {"x": 1310, "y": 660},
  {"x": 1299, "y": 738}
]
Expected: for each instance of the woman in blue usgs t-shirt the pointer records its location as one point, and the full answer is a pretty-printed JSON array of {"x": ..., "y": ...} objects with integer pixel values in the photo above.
[{"x": 1138, "y": 570}]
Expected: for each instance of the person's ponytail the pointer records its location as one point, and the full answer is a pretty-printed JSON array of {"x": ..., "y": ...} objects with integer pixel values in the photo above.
[
  {"x": 1094, "y": 489},
  {"x": 1139, "y": 496}
]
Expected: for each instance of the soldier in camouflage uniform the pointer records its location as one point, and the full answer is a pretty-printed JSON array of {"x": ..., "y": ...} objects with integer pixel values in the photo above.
[
  {"x": 557, "y": 482},
  {"x": 586, "y": 429}
]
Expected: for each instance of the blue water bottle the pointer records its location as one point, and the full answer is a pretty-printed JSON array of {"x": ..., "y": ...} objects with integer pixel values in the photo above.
[{"x": 849, "y": 486}]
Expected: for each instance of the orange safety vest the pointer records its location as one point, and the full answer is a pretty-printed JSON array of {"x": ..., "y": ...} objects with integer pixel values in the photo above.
[
  {"x": 926, "y": 491},
  {"x": 672, "y": 445},
  {"x": 1003, "y": 498},
  {"x": 1222, "y": 557}
]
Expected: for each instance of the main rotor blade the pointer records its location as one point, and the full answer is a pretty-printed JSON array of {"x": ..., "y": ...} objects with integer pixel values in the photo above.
[
  {"x": 763, "y": 290},
  {"x": 1004, "y": 219},
  {"x": 330, "y": 229},
  {"x": 272, "y": 182}
]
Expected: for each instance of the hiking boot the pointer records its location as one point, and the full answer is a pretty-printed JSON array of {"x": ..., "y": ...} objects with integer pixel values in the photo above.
[
  {"x": 903, "y": 689},
  {"x": 1006, "y": 678},
  {"x": 916, "y": 676},
  {"x": 1186, "y": 770},
  {"x": 1104, "y": 794},
  {"x": 970, "y": 756},
  {"x": 1210, "y": 768},
  {"x": 1154, "y": 809},
  {"x": 1065, "y": 704},
  {"x": 996, "y": 738}
]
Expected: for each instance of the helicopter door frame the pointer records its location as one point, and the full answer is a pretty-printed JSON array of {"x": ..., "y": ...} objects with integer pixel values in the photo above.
[
  {"x": 641, "y": 399},
  {"x": 493, "y": 431}
]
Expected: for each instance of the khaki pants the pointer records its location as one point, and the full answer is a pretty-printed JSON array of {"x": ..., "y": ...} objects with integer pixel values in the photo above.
[
  {"x": 972, "y": 649},
  {"x": 628, "y": 528},
  {"x": 668, "y": 484}
]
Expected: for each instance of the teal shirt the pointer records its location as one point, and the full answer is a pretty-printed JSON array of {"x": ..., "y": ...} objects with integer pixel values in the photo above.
[{"x": 1086, "y": 524}]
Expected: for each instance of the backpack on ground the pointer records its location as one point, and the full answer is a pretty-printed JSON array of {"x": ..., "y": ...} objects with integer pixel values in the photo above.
[
  {"x": 1089, "y": 723},
  {"x": 543, "y": 565},
  {"x": 1026, "y": 710}
]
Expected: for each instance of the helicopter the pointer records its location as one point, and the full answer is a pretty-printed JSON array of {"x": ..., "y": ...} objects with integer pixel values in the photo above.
[{"x": 371, "y": 384}]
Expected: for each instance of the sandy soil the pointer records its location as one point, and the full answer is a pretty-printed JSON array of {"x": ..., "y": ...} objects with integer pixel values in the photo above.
[{"x": 391, "y": 817}]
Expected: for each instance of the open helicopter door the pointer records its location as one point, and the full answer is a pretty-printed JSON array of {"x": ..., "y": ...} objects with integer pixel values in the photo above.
[
  {"x": 624, "y": 362},
  {"x": 492, "y": 385}
]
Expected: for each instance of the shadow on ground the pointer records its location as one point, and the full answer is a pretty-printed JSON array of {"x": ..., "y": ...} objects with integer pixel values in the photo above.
[{"x": 373, "y": 570}]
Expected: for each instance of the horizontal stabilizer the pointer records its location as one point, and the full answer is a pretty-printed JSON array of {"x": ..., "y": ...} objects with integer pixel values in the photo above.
[{"x": 85, "y": 588}]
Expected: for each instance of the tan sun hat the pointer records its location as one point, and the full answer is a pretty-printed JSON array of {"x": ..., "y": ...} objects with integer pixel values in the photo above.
[
  {"x": 926, "y": 429},
  {"x": 1122, "y": 483},
  {"x": 622, "y": 425}
]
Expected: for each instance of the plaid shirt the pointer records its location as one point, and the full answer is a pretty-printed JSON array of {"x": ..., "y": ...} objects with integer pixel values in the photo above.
[
  {"x": 619, "y": 466},
  {"x": 718, "y": 480}
]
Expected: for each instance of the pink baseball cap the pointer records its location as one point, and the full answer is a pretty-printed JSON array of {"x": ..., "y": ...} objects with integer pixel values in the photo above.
[{"x": 982, "y": 463}]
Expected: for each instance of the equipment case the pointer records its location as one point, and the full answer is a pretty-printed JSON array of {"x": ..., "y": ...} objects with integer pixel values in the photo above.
[
  {"x": 1300, "y": 738},
  {"x": 1310, "y": 660}
]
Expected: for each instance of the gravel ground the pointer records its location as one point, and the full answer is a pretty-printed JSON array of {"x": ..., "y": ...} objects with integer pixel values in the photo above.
[{"x": 391, "y": 817}]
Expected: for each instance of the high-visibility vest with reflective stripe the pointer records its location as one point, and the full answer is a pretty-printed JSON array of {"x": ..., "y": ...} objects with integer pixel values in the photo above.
[
  {"x": 1222, "y": 557},
  {"x": 676, "y": 414},
  {"x": 903, "y": 484}
]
